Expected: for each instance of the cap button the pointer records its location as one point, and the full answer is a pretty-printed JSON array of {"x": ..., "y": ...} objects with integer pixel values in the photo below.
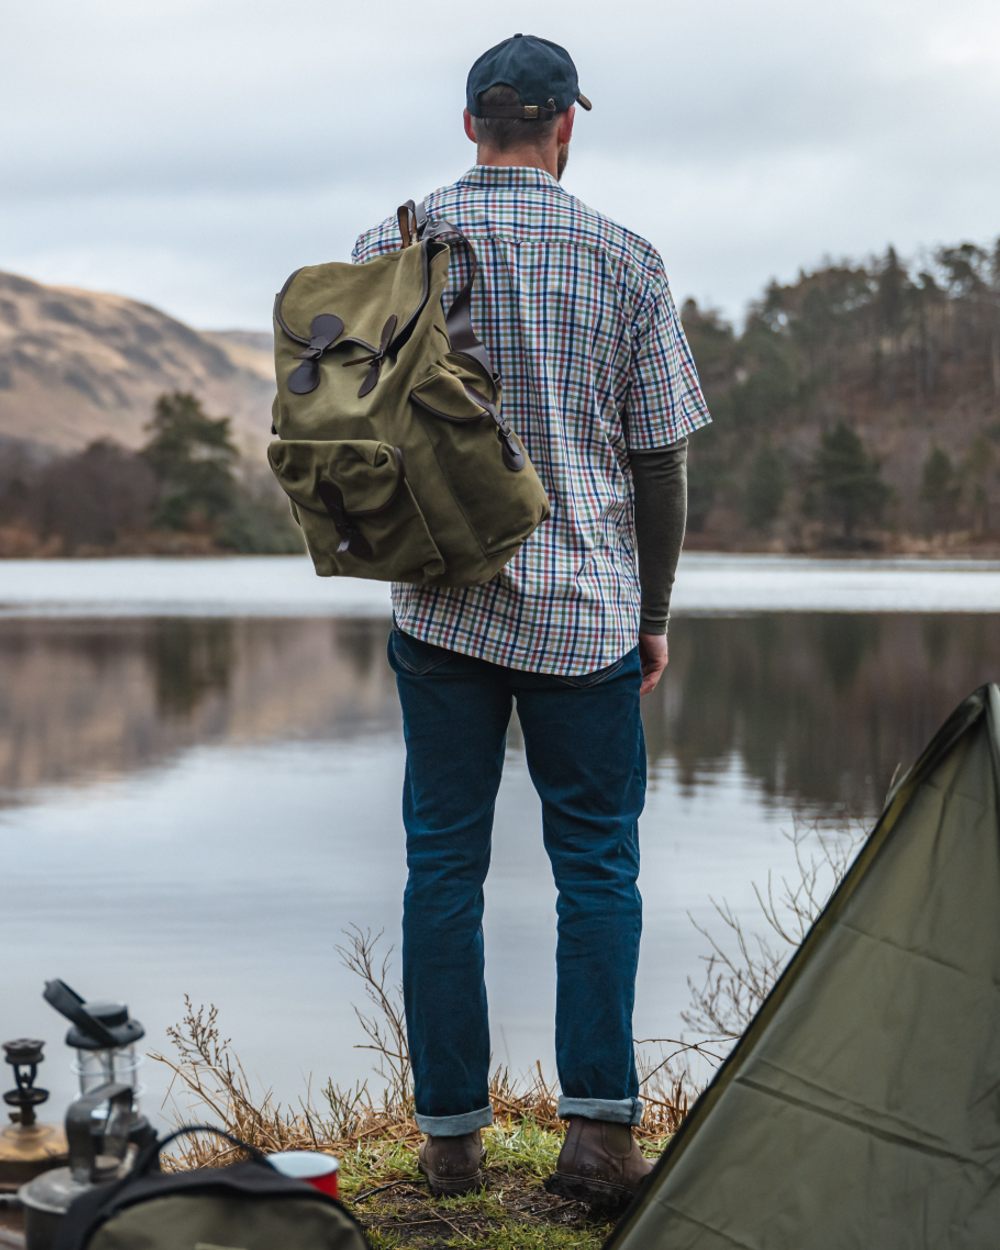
[{"x": 518, "y": 35}]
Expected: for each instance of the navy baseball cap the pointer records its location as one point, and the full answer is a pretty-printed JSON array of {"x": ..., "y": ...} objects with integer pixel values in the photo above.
[{"x": 541, "y": 72}]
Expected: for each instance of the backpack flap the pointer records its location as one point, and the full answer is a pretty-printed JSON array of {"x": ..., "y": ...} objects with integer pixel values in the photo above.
[
  {"x": 365, "y": 472},
  {"x": 446, "y": 395},
  {"x": 390, "y": 291}
]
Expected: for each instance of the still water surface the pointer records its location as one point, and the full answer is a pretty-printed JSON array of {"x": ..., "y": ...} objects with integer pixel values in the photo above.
[{"x": 200, "y": 765}]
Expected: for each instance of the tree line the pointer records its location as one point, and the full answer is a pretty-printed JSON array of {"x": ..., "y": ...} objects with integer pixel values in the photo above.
[
  {"x": 858, "y": 406},
  {"x": 187, "y": 489}
]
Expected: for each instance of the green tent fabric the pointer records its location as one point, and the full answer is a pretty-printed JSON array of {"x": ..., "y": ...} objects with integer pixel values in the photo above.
[{"x": 861, "y": 1108}]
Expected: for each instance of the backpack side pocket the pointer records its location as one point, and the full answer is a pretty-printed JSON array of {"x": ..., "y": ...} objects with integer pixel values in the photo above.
[{"x": 501, "y": 505}]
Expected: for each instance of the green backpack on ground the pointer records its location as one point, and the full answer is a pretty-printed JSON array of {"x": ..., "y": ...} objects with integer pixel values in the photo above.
[
  {"x": 391, "y": 445},
  {"x": 246, "y": 1206}
]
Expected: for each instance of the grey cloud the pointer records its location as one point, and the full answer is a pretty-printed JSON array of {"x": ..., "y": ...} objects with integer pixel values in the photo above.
[{"x": 190, "y": 152}]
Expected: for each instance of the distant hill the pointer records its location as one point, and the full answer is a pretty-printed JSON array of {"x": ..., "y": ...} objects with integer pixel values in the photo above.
[
  {"x": 81, "y": 365},
  {"x": 254, "y": 348}
]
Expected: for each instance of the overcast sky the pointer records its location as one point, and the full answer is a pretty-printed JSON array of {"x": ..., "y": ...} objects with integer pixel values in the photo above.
[{"x": 191, "y": 153}]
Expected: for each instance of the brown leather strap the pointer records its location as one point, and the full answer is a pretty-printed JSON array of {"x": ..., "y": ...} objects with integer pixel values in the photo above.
[
  {"x": 404, "y": 215},
  {"x": 458, "y": 318},
  {"x": 412, "y": 219},
  {"x": 414, "y": 226}
]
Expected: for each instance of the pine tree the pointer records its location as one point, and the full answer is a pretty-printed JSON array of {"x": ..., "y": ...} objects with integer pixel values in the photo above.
[
  {"x": 766, "y": 488},
  {"x": 892, "y": 288},
  {"x": 192, "y": 457},
  {"x": 848, "y": 489},
  {"x": 980, "y": 473},
  {"x": 940, "y": 490}
]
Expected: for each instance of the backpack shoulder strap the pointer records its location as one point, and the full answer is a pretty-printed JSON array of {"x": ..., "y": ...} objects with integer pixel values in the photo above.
[{"x": 414, "y": 226}]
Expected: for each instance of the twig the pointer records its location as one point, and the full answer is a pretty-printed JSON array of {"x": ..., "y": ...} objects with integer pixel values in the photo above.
[{"x": 378, "y": 1189}]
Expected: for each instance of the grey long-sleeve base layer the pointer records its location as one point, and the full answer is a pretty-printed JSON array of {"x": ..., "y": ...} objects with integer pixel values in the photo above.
[{"x": 660, "y": 479}]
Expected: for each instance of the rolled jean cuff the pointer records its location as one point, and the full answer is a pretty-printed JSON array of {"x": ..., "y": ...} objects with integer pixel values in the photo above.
[
  {"x": 619, "y": 1110},
  {"x": 454, "y": 1125}
]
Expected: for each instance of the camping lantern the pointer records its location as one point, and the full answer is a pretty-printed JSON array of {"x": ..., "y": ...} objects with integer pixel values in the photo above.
[
  {"x": 104, "y": 1037},
  {"x": 27, "y": 1147}
]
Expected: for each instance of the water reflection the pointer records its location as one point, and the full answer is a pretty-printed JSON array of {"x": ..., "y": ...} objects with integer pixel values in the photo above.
[
  {"x": 82, "y": 700},
  {"x": 190, "y": 659},
  {"x": 819, "y": 709}
]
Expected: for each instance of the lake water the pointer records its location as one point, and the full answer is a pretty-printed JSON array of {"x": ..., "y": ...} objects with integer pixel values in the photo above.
[{"x": 200, "y": 764}]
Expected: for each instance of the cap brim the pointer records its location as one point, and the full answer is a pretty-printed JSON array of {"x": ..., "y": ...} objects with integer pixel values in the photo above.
[{"x": 583, "y": 102}]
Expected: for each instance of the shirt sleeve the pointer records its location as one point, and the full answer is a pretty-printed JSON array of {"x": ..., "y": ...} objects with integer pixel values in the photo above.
[
  {"x": 365, "y": 247},
  {"x": 664, "y": 401},
  {"x": 378, "y": 241}
]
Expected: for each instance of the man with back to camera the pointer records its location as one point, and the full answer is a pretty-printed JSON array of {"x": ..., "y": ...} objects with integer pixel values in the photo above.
[{"x": 599, "y": 383}]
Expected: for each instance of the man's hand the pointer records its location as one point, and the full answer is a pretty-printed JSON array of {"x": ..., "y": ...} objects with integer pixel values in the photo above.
[{"x": 653, "y": 656}]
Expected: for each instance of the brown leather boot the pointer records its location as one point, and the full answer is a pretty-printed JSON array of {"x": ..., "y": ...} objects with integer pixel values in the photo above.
[
  {"x": 600, "y": 1164},
  {"x": 453, "y": 1165}
]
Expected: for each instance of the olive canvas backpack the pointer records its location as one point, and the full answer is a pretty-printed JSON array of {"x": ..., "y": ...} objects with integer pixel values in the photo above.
[{"x": 391, "y": 444}]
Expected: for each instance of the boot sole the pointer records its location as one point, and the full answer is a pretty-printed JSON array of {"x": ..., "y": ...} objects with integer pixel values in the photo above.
[
  {"x": 450, "y": 1186},
  {"x": 602, "y": 1197}
]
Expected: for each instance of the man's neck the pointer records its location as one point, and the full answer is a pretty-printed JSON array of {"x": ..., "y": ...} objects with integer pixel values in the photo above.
[{"x": 530, "y": 157}]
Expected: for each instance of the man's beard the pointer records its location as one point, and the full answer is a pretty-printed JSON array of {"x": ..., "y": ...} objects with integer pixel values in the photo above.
[{"x": 562, "y": 159}]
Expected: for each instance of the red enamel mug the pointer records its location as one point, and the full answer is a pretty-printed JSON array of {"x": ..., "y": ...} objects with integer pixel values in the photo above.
[{"x": 318, "y": 1169}]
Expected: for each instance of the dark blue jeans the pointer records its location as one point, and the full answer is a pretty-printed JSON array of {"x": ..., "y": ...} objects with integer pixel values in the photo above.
[{"x": 586, "y": 756}]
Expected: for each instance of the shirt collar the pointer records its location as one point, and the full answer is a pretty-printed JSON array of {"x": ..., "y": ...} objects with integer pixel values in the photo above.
[{"x": 509, "y": 176}]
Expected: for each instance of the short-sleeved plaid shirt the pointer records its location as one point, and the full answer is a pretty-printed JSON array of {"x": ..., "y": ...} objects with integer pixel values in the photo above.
[{"x": 578, "y": 318}]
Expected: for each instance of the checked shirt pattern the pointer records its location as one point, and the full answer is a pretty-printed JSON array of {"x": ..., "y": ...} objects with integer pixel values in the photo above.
[{"x": 577, "y": 315}]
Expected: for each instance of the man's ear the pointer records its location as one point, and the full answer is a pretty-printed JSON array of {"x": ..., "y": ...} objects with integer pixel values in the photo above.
[
  {"x": 469, "y": 130},
  {"x": 564, "y": 131}
]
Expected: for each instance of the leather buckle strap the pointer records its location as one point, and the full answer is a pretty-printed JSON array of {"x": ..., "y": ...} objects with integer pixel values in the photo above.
[
  {"x": 351, "y": 538},
  {"x": 513, "y": 456},
  {"x": 375, "y": 359}
]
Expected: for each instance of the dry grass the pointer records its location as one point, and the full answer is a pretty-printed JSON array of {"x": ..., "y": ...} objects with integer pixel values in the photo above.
[
  {"x": 740, "y": 969},
  {"x": 210, "y": 1075},
  {"x": 741, "y": 965}
]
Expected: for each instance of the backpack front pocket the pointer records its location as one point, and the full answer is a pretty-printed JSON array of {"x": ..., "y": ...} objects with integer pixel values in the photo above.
[{"x": 356, "y": 509}]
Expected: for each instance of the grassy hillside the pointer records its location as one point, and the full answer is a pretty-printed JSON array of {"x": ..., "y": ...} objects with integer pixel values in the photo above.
[{"x": 77, "y": 366}]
